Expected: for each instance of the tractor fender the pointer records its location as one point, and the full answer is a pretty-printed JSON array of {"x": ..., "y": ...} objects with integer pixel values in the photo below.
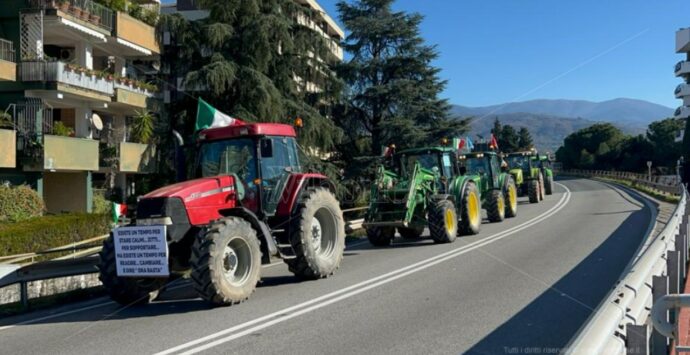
[
  {"x": 267, "y": 244},
  {"x": 296, "y": 185}
]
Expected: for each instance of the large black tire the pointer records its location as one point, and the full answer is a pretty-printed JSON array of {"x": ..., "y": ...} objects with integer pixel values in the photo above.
[
  {"x": 533, "y": 191},
  {"x": 317, "y": 236},
  {"x": 510, "y": 196},
  {"x": 125, "y": 290},
  {"x": 226, "y": 262},
  {"x": 496, "y": 206},
  {"x": 542, "y": 191},
  {"x": 470, "y": 210},
  {"x": 380, "y": 236},
  {"x": 549, "y": 185},
  {"x": 443, "y": 221},
  {"x": 411, "y": 233}
]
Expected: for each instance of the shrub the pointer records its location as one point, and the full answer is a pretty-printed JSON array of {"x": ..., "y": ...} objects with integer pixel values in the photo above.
[
  {"x": 41, "y": 233},
  {"x": 19, "y": 203},
  {"x": 100, "y": 204}
]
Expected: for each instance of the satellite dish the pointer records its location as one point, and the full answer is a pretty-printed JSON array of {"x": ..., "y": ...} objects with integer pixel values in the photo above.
[{"x": 97, "y": 122}]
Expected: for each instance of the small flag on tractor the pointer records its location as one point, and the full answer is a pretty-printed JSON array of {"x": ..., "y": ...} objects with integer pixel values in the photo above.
[
  {"x": 208, "y": 116},
  {"x": 494, "y": 143},
  {"x": 469, "y": 144},
  {"x": 118, "y": 210}
]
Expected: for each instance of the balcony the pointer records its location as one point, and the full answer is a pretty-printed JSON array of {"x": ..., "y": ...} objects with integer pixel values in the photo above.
[
  {"x": 137, "y": 158},
  {"x": 82, "y": 17},
  {"x": 682, "y": 68},
  {"x": 682, "y": 112},
  {"x": 8, "y": 69},
  {"x": 8, "y": 147},
  {"x": 135, "y": 35},
  {"x": 69, "y": 154},
  {"x": 68, "y": 78},
  {"x": 683, "y": 40},
  {"x": 131, "y": 96}
]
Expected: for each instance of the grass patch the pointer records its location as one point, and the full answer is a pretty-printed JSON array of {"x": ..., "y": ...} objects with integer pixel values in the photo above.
[
  {"x": 41, "y": 233},
  {"x": 661, "y": 196}
]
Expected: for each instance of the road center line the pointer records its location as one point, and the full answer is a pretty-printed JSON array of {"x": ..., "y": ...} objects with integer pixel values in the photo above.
[{"x": 350, "y": 291}]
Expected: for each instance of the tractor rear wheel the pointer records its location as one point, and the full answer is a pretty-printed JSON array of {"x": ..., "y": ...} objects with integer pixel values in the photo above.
[
  {"x": 443, "y": 221},
  {"x": 496, "y": 209},
  {"x": 549, "y": 185},
  {"x": 471, "y": 210},
  {"x": 533, "y": 191},
  {"x": 317, "y": 236},
  {"x": 380, "y": 236},
  {"x": 125, "y": 290},
  {"x": 226, "y": 262},
  {"x": 411, "y": 233},
  {"x": 510, "y": 195}
]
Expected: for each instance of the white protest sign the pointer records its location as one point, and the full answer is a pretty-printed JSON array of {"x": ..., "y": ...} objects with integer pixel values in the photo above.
[{"x": 141, "y": 251}]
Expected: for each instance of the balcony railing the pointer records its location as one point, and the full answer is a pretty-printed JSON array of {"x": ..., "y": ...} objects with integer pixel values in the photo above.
[
  {"x": 85, "y": 10},
  {"x": 66, "y": 153},
  {"x": 60, "y": 72},
  {"x": 7, "y": 50}
]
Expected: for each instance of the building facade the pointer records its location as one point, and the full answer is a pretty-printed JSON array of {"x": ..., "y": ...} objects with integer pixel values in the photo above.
[
  {"x": 682, "y": 71},
  {"x": 75, "y": 77}
]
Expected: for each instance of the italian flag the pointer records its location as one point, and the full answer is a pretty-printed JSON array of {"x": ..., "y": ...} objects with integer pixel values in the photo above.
[
  {"x": 208, "y": 117},
  {"x": 118, "y": 210}
]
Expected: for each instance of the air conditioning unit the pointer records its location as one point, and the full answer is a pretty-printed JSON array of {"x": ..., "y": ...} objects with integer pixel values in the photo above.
[{"x": 67, "y": 54}]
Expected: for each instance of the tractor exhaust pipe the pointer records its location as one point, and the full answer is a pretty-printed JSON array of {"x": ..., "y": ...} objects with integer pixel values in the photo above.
[{"x": 180, "y": 166}]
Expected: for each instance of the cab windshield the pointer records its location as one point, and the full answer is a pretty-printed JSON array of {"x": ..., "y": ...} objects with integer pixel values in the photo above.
[
  {"x": 426, "y": 160},
  {"x": 518, "y": 162},
  {"x": 232, "y": 156},
  {"x": 477, "y": 166}
]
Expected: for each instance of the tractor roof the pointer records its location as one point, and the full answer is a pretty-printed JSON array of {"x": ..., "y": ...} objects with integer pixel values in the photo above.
[
  {"x": 519, "y": 154},
  {"x": 249, "y": 130},
  {"x": 476, "y": 155},
  {"x": 426, "y": 149}
]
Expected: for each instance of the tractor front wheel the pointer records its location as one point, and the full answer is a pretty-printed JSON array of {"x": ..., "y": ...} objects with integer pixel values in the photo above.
[
  {"x": 380, "y": 236},
  {"x": 443, "y": 221},
  {"x": 411, "y": 233},
  {"x": 496, "y": 209},
  {"x": 317, "y": 236},
  {"x": 226, "y": 262},
  {"x": 125, "y": 290},
  {"x": 510, "y": 195},
  {"x": 471, "y": 209}
]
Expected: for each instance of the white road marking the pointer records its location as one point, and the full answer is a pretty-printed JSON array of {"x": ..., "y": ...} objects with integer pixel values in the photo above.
[{"x": 350, "y": 291}]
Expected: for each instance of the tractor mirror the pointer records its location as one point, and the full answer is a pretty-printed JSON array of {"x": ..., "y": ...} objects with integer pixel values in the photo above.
[{"x": 266, "y": 148}]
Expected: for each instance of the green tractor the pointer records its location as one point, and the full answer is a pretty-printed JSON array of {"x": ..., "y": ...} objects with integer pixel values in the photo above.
[
  {"x": 498, "y": 189},
  {"x": 419, "y": 188},
  {"x": 527, "y": 174},
  {"x": 544, "y": 164}
]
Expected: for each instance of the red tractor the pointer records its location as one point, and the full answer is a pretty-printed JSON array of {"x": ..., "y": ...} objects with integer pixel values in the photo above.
[{"x": 250, "y": 200}]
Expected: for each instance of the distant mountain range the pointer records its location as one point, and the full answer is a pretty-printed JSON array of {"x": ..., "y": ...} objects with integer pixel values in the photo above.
[{"x": 552, "y": 120}]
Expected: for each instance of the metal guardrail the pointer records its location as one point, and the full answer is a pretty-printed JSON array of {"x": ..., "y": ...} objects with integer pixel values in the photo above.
[
  {"x": 7, "y": 50},
  {"x": 622, "y": 323},
  {"x": 662, "y": 183},
  {"x": 58, "y": 72}
]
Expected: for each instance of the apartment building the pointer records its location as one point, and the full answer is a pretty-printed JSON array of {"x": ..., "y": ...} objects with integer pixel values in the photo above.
[
  {"x": 682, "y": 71},
  {"x": 75, "y": 76}
]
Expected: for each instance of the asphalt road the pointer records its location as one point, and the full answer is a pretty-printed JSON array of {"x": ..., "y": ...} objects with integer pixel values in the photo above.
[{"x": 520, "y": 286}]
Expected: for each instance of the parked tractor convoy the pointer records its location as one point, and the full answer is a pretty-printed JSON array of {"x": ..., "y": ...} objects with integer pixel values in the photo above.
[{"x": 250, "y": 200}]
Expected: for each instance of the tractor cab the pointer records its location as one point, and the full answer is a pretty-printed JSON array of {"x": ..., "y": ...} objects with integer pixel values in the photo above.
[
  {"x": 521, "y": 160},
  {"x": 437, "y": 159},
  {"x": 484, "y": 164},
  {"x": 260, "y": 156}
]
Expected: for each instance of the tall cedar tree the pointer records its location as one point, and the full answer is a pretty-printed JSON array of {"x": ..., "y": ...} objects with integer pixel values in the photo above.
[
  {"x": 244, "y": 58},
  {"x": 394, "y": 90},
  {"x": 525, "y": 139}
]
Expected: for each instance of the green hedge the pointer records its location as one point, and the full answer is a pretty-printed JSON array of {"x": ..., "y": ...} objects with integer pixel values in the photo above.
[
  {"x": 41, "y": 233},
  {"x": 19, "y": 203}
]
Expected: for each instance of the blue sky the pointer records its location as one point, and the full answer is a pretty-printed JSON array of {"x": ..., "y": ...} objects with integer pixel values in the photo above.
[{"x": 495, "y": 51}]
